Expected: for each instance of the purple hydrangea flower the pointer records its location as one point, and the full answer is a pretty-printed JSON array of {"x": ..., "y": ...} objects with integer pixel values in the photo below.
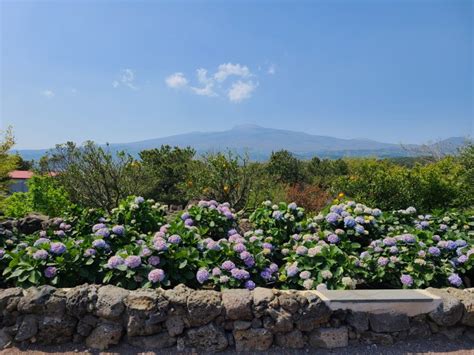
[
  {"x": 249, "y": 262},
  {"x": 408, "y": 238},
  {"x": 59, "y": 233},
  {"x": 154, "y": 260},
  {"x": 156, "y": 275},
  {"x": 349, "y": 222},
  {"x": 434, "y": 251},
  {"x": 50, "y": 272},
  {"x": 424, "y": 224},
  {"x": 461, "y": 243},
  {"x": 114, "y": 262},
  {"x": 118, "y": 230},
  {"x": 451, "y": 245},
  {"x": 240, "y": 274},
  {"x": 359, "y": 229},
  {"x": 364, "y": 255},
  {"x": 382, "y": 261},
  {"x": 333, "y": 239},
  {"x": 98, "y": 226},
  {"x": 40, "y": 255},
  {"x": 393, "y": 250},
  {"x": 139, "y": 200},
  {"x": 462, "y": 259},
  {"x": 99, "y": 243},
  {"x": 160, "y": 244},
  {"x": 406, "y": 280},
  {"x": 239, "y": 247},
  {"x": 228, "y": 265},
  {"x": 301, "y": 250},
  {"x": 41, "y": 241},
  {"x": 216, "y": 271},
  {"x": 89, "y": 252},
  {"x": 174, "y": 239},
  {"x": 443, "y": 227},
  {"x": 57, "y": 248},
  {"x": 249, "y": 285},
  {"x": 332, "y": 218},
  {"x": 245, "y": 255},
  {"x": 455, "y": 280},
  {"x": 376, "y": 212},
  {"x": 133, "y": 261},
  {"x": 389, "y": 241},
  {"x": 103, "y": 232},
  {"x": 273, "y": 267},
  {"x": 266, "y": 274},
  {"x": 188, "y": 222},
  {"x": 185, "y": 216},
  {"x": 202, "y": 275},
  {"x": 277, "y": 215},
  {"x": 304, "y": 275},
  {"x": 292, "y": 270}
]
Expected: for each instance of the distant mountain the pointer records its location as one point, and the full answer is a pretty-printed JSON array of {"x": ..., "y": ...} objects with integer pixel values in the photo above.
[{"x": 259, "y": 142}]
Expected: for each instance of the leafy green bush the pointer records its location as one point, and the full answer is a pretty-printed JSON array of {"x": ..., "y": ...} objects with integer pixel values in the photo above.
[
  {"x": 347, "y": 245},
  {"x": 44, "y": 195}
]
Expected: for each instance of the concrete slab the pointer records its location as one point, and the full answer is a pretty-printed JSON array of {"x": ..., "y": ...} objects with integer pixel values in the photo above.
[{"x": 409, "y": 302}]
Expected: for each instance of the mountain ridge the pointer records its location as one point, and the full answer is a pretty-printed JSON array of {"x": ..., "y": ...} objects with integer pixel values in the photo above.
[{"x": 259, "y": 142}]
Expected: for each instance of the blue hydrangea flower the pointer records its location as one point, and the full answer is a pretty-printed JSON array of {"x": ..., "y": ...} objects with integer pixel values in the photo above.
[
  {"x": 455, "y": 280},
  {"x": 202, "y": 275}
]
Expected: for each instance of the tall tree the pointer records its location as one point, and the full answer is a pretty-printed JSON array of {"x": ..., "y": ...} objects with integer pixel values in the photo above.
[{"x": 8, "y": 162}]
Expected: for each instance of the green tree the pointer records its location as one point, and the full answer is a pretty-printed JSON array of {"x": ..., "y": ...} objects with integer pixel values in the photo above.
[
  {"x": 224, "y": 177},
  {"x": 93, "y": 176},
  {"x": 8, "y": 162},
  {"x": 167, "y": 171},
  {"x": 286, "y": 168}
]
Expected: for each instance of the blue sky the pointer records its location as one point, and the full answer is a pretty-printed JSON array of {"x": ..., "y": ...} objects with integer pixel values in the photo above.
[{"x": 394, "y": 71}]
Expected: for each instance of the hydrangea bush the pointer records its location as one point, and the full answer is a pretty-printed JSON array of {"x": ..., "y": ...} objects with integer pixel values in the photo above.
[{"x": 346, "y": 246}]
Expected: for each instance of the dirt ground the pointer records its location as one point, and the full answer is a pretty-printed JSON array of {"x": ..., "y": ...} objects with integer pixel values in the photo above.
[{"x": 435, "y": 345}]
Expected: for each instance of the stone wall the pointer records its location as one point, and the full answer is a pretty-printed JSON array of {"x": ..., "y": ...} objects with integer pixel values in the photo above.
[{"x": 102, "y": 316}]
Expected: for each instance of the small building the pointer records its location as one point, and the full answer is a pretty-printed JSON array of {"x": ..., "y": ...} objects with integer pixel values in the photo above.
[{"x": 19, "y": 179}]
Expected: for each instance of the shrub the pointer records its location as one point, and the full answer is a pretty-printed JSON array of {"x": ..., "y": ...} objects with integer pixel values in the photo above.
[{"x": 310, "y": 197}]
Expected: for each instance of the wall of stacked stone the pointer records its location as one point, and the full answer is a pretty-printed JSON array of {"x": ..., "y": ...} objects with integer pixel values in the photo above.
[{"x": 203, "y": 320}]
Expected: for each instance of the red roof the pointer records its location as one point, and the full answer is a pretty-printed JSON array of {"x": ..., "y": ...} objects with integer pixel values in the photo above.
[{"x": 20, "y": 174}]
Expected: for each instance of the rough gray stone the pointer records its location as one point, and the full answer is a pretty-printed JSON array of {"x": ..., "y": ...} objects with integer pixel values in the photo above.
[
  {"x": 449, "y": 312},
  {"x": 5, "y": 339},
  {"x": 253, "y": 339},
  {"x": 81, "y": 300},
  {"x": 261, "y": 299},
  {"x": 329, "y": 338},
  {"x": 376, "y": 338},
  {"x": 9, "y": 299},
  {"x": 313, "y": 314},
  {"x": 34, "y": 299},
  {"x": 292, "y": 340},
  {"x": 280, "y": 321},
  {"x": 467, "y": 299},
  {"x": 104, "y": 335},
  {"x": 241, "y": 325},
  {"x": 110, "y": 302},
  {"x": 27, "y": 329},
  {"x": 203, "y": 307},
  {"x": 175, "y": 325},
  {"x": 33, "y": 222},
  {"x": 419, "y": 329},
  {"x": 56, "y": 330},
  {"x": 237, "y": 304},
  {"x": 86, "y": 324},
  {"x": 178, "y": 296},
  {"x": 157, "y": 341},
  {"x": 289, "y": 303},
  {"x": 358, "y": 320},
  {"x": 206, "y": 338},
  {"x": 453, "y": 333},
  {"x": 388, "y": 322}
]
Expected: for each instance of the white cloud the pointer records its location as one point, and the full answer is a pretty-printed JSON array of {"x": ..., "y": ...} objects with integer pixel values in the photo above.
[
  {"x": 176, "y": 81},
  {"x": 271, "y": 69},
  {"x": 126, "y": 78},
  {"x": 226, "y": 70},
  {"x": 241, "y": 90},
  {"x": 218, "y": 83},
  {"x": 48, "y": 93}
]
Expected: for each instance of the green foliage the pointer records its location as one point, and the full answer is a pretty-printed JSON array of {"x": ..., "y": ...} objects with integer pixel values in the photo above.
[
  {"x": 93, "y": 176},
  {"x": 347, "y": 245},
  {"x": 8, "y": 162},
  {"x": 44, "y": 195},
  {"x": 222, "y": 177},
  {"x": 286, "y": 168},
  {"x": 441, "y": 184},
  {"x": 166, "y": 172}
]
